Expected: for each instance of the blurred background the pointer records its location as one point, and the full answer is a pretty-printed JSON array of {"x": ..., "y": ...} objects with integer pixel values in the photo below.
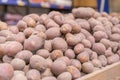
[{"x": 12, "y": 10}]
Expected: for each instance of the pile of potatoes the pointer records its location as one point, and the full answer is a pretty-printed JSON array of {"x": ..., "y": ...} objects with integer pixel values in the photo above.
[{"x": 58, "y": 46}]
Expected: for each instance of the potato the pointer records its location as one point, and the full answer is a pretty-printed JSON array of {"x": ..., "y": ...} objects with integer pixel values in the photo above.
[
  {"x": 12, "y": 48},
  {"x": 69, "y": 53},
  {"x": 19, "y": 77},
  {"x": 56, "y": 54},
  {"x": 20, "y": 37},
  {"x": 28, "y": 32},
  {"x": 99, "y": 28},
  {"x": 21, "y": 25},
  {"x": 2, "y": 50},
  {"x": 83, "y": 57},
  {"x": 47, "y": 73},
  {"x": 58, "y": 67},
  {"x": 18, "y": 64},
  {"x": 118, "y": 52},
  {"x": 43, "y": 18},
  {"x": 84, "y": 24},
  {"x": 40, "y": 34},
  {"x": 59, "y": 19},
  {"x": 24, "y": 55},
  {"x": 99, "y": 48},
  {"x": 112, "y": 59},
  {"x": 76, "y": 63},
  {"x": 7, "y": 59},
  {"x": 69, "y": 16},
  {"x": 34, "y": 16},
  {"x": 74, "y": 72},
  {"x": 115, "y": 30},
  {"x": 26, "y": 68},
  {"x": 49, "y": 62},
  {"x": 6, "y": 71},
  {"x": 3, "y": 26},
  {"x": 96, "y": 63},
  {"x": 93, "y": 56},
  {"x": 53, "y": 32},
  {"x": 86, "y": 43},
  {"x": 10, "y": 37},
  {"x": 83, "y": 12},
  {"x": 91, "y": 39},
  {"x": 100, "y": 35},
  {"x": 103, "y": 60},
  {"x": 48, "y": 45},
  {"x": 88, "y": 50},
  {"x": 40, "y": 28},
  {"x": 78, "y": 48},
  {"x": 17, "y": 72},
  {"x": 5, "y": 33},
  {"x": 65, "y": 59},
  {"x": 14, "y": 29},
  {"x": 33, "y": 74},
  {"x": 87, "y": 67},
  {"x": 30, "y": 22},
  {"x": 2, "y": 39},
  {"x": 115, "y": 37},
  {"x": 43, "y": 52},
  {"x": 66, "y": 28},
  {"x": 64, "y": 76},
  {"x": 49, "y": 78},
  {"x": 106, "y": 42},
  {"x": 59, "y": 43},
  {"x": 85, "y": 32},
  {"x": 115, "y": 20},
  {"x": 109, "y": 52},
  {"x": 38, "y": 62},
  {"x": 33, "y": 43},
  {"x": 52, "y": 14}
]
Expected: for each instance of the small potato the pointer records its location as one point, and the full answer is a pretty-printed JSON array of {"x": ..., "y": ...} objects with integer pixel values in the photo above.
[
  {"x": 43, "y": 52},
  {"x": 26, "y": 69},
  {"x": 103, "y": 60},
  {"x": 33, "y": 43},
  {"x": 53, "y": 32},
  {"x": 74, "y": 72},
  {"x": 14, "y": 29},
  {"x": 96, "y": 63},
  {"x": 56, "y": 54},
  {"x": 40, "y": 28},
  {"x": 59, "y": 43},
  {"x": 93, "y": 56},
  {"x": 47, "y": 73},
  {"x": 112, "y": 59},
  {"x": 64, "y": 76},
  {"x": 7, "y": 59},
  {"x": 89, "y": 51},
  {"x": 33, "y": 74},
  {"x": 109, "y": 52},
  {"x": 17, "y": 72},
  {"x": 5, "y": 33},
  {"x": 83, "y": 57},
  {"x": 59, "y": 19},
  {"x": 3, "y": 26},
  {"x": 18, "y": 64},
  {"x": 65, "y": 59},
  {"x": 20, "y": 37},
  {"x": 106, "y": 42},
  {"x": 79, "y": 48},
  {"x": 21, "y": 25},
  {"x": 115, "y": 30},
  {"x": 12, "y": 48},
  {"x": 86, "y": 43},
  {"x": 34, "y": 16},
  {"x": 28, "y": 32},
  {"x": 69, "y": 53},
  {"x": 19, "y": 77},
  {"x": 115, "y": 20},
  {"x": 30, "y": 22},
  {"x": 49, "y": 62},
  {"x": 115, "y": 37},
  {"x": 85, "y": 32},
  {"x": 38, "y": 62},
  {"x": 76, "y": 63},
  {"x": 58, "y": 67},
  {"x": 6, "y": 71},
  {"x": 98, "y": 28},
  {"x": 66, "y": 28},
  {"x": 2, "y": 39},
  {"x": 100, "y": 35},
  {"x": 49, "y": 78},
  {"x": 24, "y": 55},
  {"x": 87, "y": 67},
  {"x": 48, "y": 45},
  {"x": 99, "y": 48},
  {"x": 52, "y": 14},
  {"x": 91, "y": 39}
]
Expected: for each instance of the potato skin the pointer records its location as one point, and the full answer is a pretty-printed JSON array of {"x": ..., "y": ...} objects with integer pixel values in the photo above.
[
  {"x": 78, "y": 48},
  {"x": 112, "y": 59},
  {"x": 56, "y": 54},
  {"x": 49, "y": 78},
  {"x": 69, "y": 53},
  {"x": 87, "y": 67},
  {"x": 64, "y": 76}
]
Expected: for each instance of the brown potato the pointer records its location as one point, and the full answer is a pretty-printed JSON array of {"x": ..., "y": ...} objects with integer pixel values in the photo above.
[
  {"x": 74, "y": 72},
  {"x": 87, "y": 67},
  {"x": 33, "y": 74},
  {"x": 53, "y": 32},
  {"x": 43, "y": 52},
  {"x": 18, "y": 64},
  {"x": 83, "y": 57},
  {"x": 78, "y": 48},
  {"x": 21, "y": 25},
  {"x": 24, "y": 55},
  {"x": 7, "y": 71},
  {"x": 69, "y": 53},
  {"x": 58, "y": 67},
  {"x": 59, "y": 43},
  {"x": 38, "y": 62},
  {"x": 64, "y": 76}
]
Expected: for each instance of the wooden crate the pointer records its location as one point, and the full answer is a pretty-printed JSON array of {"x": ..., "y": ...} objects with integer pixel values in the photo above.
[
  {"x": 85, "y": 3},
  {"x": 111, "y": 72}
]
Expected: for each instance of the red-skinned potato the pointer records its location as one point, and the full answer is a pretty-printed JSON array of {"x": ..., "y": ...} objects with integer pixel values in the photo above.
[
  {"x": 78, "y": 48},
  {"x": 66, "y": 28},
  {"x": 70, "y": 53},
  {"x": 21, "y": 25},
  {"x": 56, "y": 54},
  {"x": 86, "y": 43},
  {"x": 40, "y": 28},
  {"x": 59, "y": 19},
  {"x": 34, "y": 16},
  {"x": 3, "y": 26},
  {"x": 87, "y": 67},
  {"x": 28, "y": 32}
]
